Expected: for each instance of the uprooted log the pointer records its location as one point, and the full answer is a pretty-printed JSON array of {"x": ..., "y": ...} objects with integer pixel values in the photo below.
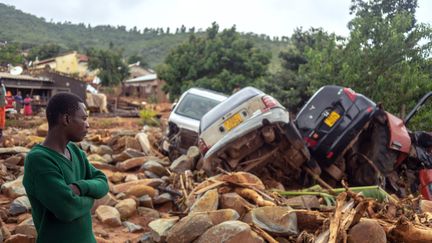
[{"x": 406, "y": 231}]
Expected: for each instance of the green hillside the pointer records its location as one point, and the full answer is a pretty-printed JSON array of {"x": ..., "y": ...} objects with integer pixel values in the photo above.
[{"x": 152, "y": 44}]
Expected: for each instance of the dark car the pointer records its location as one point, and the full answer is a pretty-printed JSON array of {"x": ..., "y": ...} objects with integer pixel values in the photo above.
[{"x": 331, "y": 120}]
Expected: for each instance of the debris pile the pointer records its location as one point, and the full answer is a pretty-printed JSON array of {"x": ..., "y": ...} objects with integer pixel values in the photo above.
[{"x": 154, "y": 200}]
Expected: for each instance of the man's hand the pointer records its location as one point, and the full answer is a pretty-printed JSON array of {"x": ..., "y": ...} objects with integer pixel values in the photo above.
[{"x": 75, "y": 189}]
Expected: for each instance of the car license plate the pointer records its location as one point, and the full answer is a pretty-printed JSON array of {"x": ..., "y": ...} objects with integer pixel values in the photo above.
[
  {"x": 332, "y": 118},
  {"x": 233, "y": 121}
]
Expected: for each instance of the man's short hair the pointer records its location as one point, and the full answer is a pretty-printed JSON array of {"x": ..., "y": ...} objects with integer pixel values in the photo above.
[{"x": 60, "y": 104}]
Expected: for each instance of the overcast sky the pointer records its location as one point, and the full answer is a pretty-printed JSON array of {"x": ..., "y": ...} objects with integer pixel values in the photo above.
[{"x": 271, "y": 17}]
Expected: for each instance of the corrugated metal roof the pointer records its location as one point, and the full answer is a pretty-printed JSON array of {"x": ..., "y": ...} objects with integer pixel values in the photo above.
[
  {"x": 45, "y": 61},
  {"x": 24, "y": 77},
  {"x": 148, "y": 77}
]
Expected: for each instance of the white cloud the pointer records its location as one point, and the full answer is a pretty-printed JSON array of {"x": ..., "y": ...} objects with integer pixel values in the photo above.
[{"x": 271, "y": 17}]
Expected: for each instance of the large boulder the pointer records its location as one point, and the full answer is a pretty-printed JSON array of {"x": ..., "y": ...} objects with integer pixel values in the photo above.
[
  {"x": 144, "y": 142},
  {"x": 131, "y": 163},
  {"x": 207, "y": 202},
  {"x": 126, "y": 208},
  {"x": 26, "y": 227},
  {"x": 367, "y": 231},
  {"x": 235, "y": 201},
  {"x": 154, "y": 167},
  {"x": 189, "y": 228},
  {"x": 230, "y": 232},
  {"x": 192, "y": 226},
  {"x": 186, "y": 162},
  {"x": 123, "y": 187},
  {"x": 127, "y": 154},
  {"x": 108, "y": 200},
  {"x": 160, "y": 227},
  {"x": 141, "y": 190},
  {"x": 14, "y": 189},
  {"x": 19, "y": 205},
  {"x": 274, "y": 219},
  {"x": 108, "y": 215}
]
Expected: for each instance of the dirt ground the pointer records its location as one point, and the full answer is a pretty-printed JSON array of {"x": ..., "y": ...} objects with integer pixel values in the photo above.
[
  {"x": 394, "y": 216},
  {"x": 98, "y": 124}
]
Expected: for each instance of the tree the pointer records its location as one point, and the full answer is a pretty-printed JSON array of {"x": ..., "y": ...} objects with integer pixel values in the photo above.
[
  {"x": 135, "y": 58},
  {"x": 218, "y": 61},
  {"x": 10, "y": 54},
  {"x": 289, "y": 88},
  {"x": 287, "y": 85},
  {"x": 384, "y": 56},
  {"x": 45, "y": 51},
  {"x": 112, "y": 70}
]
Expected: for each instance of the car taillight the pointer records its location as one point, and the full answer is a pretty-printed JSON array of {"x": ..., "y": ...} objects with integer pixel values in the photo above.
[
  {"x": 269, "y": 102},
  {"x": 202, "y": 146},
  {"x": 311, "y": 143},
  {"x": 350, "y": 93},
  {"x": 329, "y": 155}
]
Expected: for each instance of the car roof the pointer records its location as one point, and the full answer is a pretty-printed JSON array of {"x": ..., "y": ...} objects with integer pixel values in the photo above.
[
  {"x": 228, "y": 105},
  {"x": 207, "y": 93}
]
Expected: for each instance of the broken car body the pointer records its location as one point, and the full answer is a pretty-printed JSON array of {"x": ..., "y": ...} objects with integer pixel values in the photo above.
[
  {"x": 184, "y": 120},
  {"x": 248, "y": 131},
  {"x": 350, "y": 137}
]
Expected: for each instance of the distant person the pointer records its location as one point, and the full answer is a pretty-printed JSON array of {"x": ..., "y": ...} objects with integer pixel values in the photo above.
[
  {"x": 18, "y": 101},
  {"x": 60, "y": 182},
  {"x": 9, "y": 100},
  {"x": 2, "y": 107},
  {"x": 27, "y": 106}
]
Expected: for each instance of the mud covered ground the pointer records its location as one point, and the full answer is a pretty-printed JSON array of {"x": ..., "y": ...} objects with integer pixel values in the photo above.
[{"x": 152, "y": 199}]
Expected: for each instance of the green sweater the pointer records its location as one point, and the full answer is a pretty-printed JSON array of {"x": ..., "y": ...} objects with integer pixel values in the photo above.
[{"x": 60, "y": 215}]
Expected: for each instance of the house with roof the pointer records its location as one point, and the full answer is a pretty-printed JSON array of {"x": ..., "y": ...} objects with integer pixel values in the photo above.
[
  {"x": 43, "y": 84},
  {"x": 71, "y": 62},
  {"x": 144, "y": 83}
]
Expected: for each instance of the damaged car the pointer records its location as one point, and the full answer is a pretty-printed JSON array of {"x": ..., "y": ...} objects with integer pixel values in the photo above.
[
  {"x": 251, "y": 131},
  {"x": 184, "y": 120},
  {"x": 353, "y": 138}
]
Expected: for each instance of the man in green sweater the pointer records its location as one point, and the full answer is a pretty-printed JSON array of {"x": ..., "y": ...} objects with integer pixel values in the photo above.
[{"x": 60, "y": 182}]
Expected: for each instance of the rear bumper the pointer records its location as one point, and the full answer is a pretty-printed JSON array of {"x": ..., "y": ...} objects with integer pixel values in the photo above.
[
  {"x": 275, "y": 115},
  {"x": 339, "y": 137}
]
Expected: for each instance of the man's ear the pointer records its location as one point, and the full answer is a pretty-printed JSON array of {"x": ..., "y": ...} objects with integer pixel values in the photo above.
[{"x": 65, "y": 119}]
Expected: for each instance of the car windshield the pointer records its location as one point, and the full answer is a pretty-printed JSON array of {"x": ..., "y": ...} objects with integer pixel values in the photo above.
[{"x": 195, "y": 106}]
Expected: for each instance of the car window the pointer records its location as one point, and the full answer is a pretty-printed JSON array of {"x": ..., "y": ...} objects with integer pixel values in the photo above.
[
  {"x": 228, "y": 105},
  {"x": 195, "y": 106}
]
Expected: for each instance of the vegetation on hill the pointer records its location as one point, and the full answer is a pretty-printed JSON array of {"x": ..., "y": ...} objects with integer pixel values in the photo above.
[
  {"x": 387, "y": 55},
  {"x": 153, "y": 44},
  {"x": 219, "y": 61}
]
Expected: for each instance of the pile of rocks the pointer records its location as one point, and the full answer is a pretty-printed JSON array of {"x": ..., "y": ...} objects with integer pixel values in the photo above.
[{"x": 154, "y": 200}]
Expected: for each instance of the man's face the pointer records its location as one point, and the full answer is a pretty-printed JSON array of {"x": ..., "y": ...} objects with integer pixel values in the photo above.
[{"x": 78, "y": 124}]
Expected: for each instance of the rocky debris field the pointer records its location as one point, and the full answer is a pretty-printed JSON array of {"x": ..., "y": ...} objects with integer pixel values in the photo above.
[{"x": 152, "y": 199}]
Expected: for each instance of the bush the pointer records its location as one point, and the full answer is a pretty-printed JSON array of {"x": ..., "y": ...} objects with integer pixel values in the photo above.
[{"x": 148, "y": 117}]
